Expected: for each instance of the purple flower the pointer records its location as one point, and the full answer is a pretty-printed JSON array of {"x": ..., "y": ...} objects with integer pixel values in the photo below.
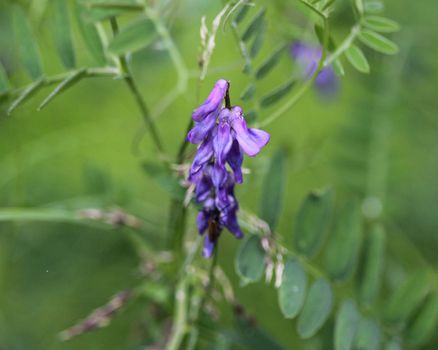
[
  {"x": 223, "y": 137},
  {"x": 213, "y": 102},
  {"x": 307, "y": 58}
]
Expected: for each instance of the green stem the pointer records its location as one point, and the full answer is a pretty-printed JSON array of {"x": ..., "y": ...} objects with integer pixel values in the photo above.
[
  {"x": 348, "y": 41},
  {"x": 179, "y": 327},
  {"x": 129, "y": 80}
]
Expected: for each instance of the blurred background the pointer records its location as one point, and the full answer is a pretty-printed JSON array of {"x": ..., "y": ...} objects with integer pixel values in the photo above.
[{"x": 375, "y": 138}]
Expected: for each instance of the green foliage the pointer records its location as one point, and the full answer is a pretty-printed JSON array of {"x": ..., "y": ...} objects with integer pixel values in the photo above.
[
  {"x": 347, "y": 320},
  {"x": 378, "y": 42},
  {"x": 293, "y": 289},
  {"x": 316, "y": 309},
  {"x": 27, "y": 49},
  {"x": 373, "y": 264},
  {"x": 90, "y": 33},
  {"x": 368, "y": 335},
  {"x": 273, "y": 189},
  {"x": 63, "y": 35},
  {"x": 311, "y": 223},
  {"x": 343, "y": 249},
  {"x": 410, "y": 310},
  {"x": 133, "y": 37},
  {"x": 250, "y": 260},
  {"x": 356, "y": 57}
]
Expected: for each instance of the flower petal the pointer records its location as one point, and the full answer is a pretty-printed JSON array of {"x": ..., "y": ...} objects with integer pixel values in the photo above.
[
  {"x": 203, "y": 188},
  {"x": 232, "y": 224},
  {"x": 207, "y": 252},
  {"x": 235, "y": 159},
  {"x": 200, "y": 131},
  {"x": 203, "y": 155},
  {"x": 222, "y": 142},
  {"x": 202, "y": 221},
  {"x": 250, "y": 140},
  {"x": 213, "y": 102},
  {"x": 219, "y": 175}
]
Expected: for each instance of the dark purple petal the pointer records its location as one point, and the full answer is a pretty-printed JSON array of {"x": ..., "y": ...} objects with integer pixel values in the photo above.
[
  {"x": 203, "y": 155},
  {"x": 203, "y": 188},
  {"x": 219, "y": 175},
  {"x": 213, "y": 102},
  {"x": 235, "y": 159},
  {"x": 202, "y": 221},
  {"x": 232, "y": 224},
  {"x": 222, "y": 142},
  {"x": 200, "y": 131},
  {"x": 250, "y": 140},
  {"x": 327, "y": 82},
  {"x": 207, "y": 252}
]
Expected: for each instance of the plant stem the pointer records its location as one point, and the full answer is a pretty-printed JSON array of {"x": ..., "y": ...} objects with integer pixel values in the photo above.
[
  {"x": 179, "y": 326},
  {"x": 343, "y": 46},
  {"x": 129, "y": 80}
]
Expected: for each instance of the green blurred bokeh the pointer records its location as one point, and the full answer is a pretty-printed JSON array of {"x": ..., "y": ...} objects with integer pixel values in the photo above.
[{"x": 81, "y": 152}]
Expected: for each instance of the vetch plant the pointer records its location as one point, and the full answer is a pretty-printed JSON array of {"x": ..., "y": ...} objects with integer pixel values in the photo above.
[{"x": 329, "y": 260}]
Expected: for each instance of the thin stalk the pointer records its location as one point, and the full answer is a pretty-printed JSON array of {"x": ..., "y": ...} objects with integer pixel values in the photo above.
[
  {"x": 179, "y": 327},
  {"x": 348, "y": 41},
  {"x": 129, "y": 80}
]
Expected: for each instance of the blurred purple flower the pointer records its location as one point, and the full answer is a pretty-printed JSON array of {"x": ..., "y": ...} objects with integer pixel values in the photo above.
[
  {"x": 307, "y": 57},
  {"x": 223, "y": 137}
]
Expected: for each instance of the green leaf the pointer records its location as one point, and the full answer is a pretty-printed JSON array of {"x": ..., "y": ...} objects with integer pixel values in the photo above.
[
  {"x": 248, "y": 93},
  {"x": 343, "y": 249},
  {"x": 165, "y": 179},
  {"x": 277, "y": 94},
  {"x": 72, "y": 79},
  {"x": 134, "y": 37},
  {"x": 347, "y": 322},
  {"x": 62, "y": 33},
  {"x": 90, "y": 33},
  {"x": 380, "y": 24},
  {"x": 27, "y": 48},
  {"x": 273, "y": 189},
  {"x": 316, "y": 310},
  {"x": 241, "y": 14},
  {"x": 373, "y": 265},
  {"x": 407, "y": 298},
  {"x": 359, "y": 6},
  {"x": 368, "y": 335},
  {"x": 270, "y": 63},
  {"x": 292, "y": 291},
  {"x": 357, "y": 59},
  {"x": 258, "y": 41},
  {"x": 312, "y": 222},
  {"x": 250, "y": 260},
  {"x": 378, "y": 42},
  {"x": 26, "y": 94},
  {"x": 254, "y": 26},
  {"x": 338, "y": 67},
  {"x": 4, "y": 81},
  {"x": 425, "y": 324},
  {"x": 98, "y": 10}
]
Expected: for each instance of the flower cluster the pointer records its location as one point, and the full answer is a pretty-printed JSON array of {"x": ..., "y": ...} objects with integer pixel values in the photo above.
[
  {"x": 223, "y": 136},
  {"x": 307, "y": 57}
]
